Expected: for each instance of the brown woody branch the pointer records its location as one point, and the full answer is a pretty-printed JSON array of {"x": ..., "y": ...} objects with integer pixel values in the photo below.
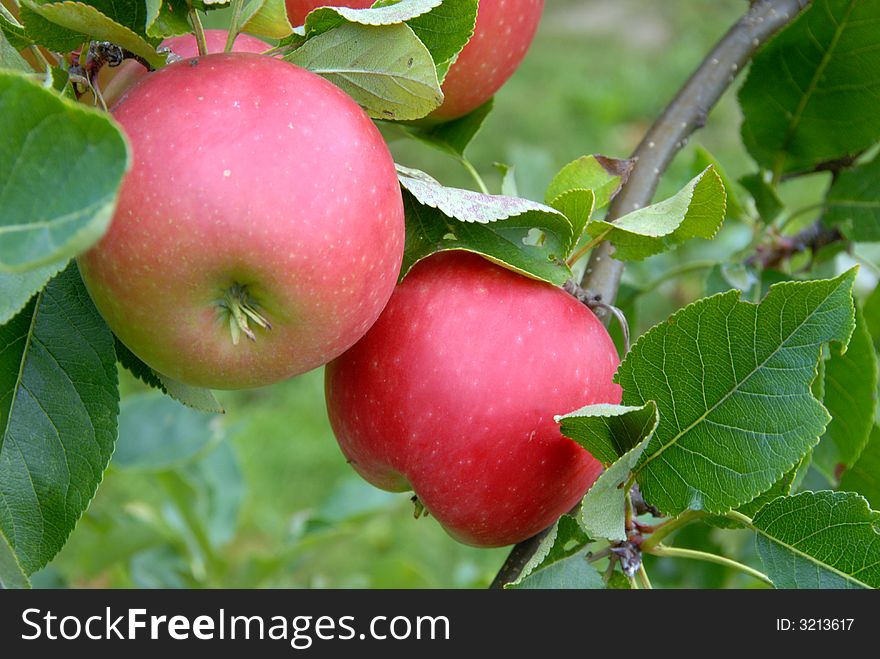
[
  {"x": 783, "y": 248},
  {"x": 686, "y": 113}
]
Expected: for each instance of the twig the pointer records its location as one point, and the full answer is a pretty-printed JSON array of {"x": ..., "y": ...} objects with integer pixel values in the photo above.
[
  {"x": 199, "y": 30},
  {"x": 675, "y": 273},
  {"x": 670, "y": 526},
  {"x": 680, "y": 552},
  {"x": 643, "y": 577},
  {"x": 234, "y": 25},
  {"x": 783, "y": 248},
  {"x": 640, "y": 506},
  {"x": 686, "y": 113},
  {"x": 474, "y": 174}
]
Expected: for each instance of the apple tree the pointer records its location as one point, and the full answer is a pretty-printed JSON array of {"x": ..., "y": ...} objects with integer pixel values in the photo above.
[{"x": 219, "y": 209}]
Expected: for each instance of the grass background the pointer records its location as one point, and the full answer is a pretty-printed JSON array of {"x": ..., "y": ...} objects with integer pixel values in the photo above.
[{"x": 283, "y": 509}]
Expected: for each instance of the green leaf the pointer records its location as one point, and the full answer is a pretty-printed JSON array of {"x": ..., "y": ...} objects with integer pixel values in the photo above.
[
  {"x": 48, "y": 211},
  {"x": 850, "y": 397},
  {"x": 61, "y": 83},
  {"x": 781, "y": 488},
  {"x": 572, "y": 573},
  {"x": 132, "y": 363},
  {"x": 195, "y": 397},
  {"x": 131, "y": 15},
  {"x": 453, "y": 137},
  {"x": 48, "y": 34},
  {"x": 11, "y": 574},
  {"x": 697, "y": 211},
  {"x": 864, "y": 476},
  {"x": 703, "y": 159},
  {"x": 602, "y": 176},
  {"x": 509, "y": 187},
  {"x": 12, "y": 34},
  {"x": 441, "y": 219},
  {"x": 445, "y": 30},
  {"x": 608, "y": 432},
  {"x": 16, "y": 288},
  {"x": 767, "y": 202},
  {"x": 806, "y": 95},
  {"x": 820, "y": 540},
  {"x": 871, "y": 312},
  {"x": 9, "y": 57},
  {"x": 853, "y": 202},
  {"x": 385, "y": 68},
  {"x": 732, "y": 381},
  {"x": 267, "y": 18},
  {"x": 603, "y": 508},
  {"x": 166, "y": 19},
  {"x": 58, "y": 409},
  {"x": 90, "y": 23},
  {"x": 578, "y": 207},
  {"x": 324, "y": 19},
  {"x": 619, "y": 435},
  {"x": 583, "y": 186},
  {"x": 157, "y": 433},
  {"x": 549, "y": 566},
  {"x": 562, "y": 540}
]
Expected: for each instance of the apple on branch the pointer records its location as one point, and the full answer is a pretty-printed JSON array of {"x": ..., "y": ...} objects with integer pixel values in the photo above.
[
  {"x": 259, "y": 233},
  {"x": 453, "y": 393}
]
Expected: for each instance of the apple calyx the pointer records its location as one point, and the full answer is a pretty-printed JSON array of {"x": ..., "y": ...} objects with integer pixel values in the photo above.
[
  {"x": 238, "y": 308},
  {"x": 419, "y": 509}
]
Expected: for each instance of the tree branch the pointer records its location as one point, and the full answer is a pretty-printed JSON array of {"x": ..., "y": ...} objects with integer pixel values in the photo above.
[
  {"x": 783, "y": 248},
  {"x": 686, "y": 113},
  {"x": 517, "y": 560}
]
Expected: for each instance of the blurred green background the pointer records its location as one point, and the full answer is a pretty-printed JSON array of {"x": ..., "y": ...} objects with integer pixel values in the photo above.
[{"x": 262, "y": 497}]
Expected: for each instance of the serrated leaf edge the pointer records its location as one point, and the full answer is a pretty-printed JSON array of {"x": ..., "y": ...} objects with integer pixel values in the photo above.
[{"x": 847, "y": 275}]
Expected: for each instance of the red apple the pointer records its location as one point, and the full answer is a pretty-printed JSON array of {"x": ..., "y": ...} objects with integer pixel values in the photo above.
[
  {"x": 453, "y": 391},
  {"x": 504, "y": 31},
  {"x": 120, "y": 78},
  {"x": 260, "y": 194}
]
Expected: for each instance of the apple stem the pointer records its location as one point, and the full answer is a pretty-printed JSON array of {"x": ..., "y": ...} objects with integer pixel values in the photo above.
[
  {"x": 681, "y": 552},
  {"x": 475, "y": 175},
  {"x": 238, "y": 306},
  {"x": 199, "y": 31},
  {"x": 234, "y": 25}
]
